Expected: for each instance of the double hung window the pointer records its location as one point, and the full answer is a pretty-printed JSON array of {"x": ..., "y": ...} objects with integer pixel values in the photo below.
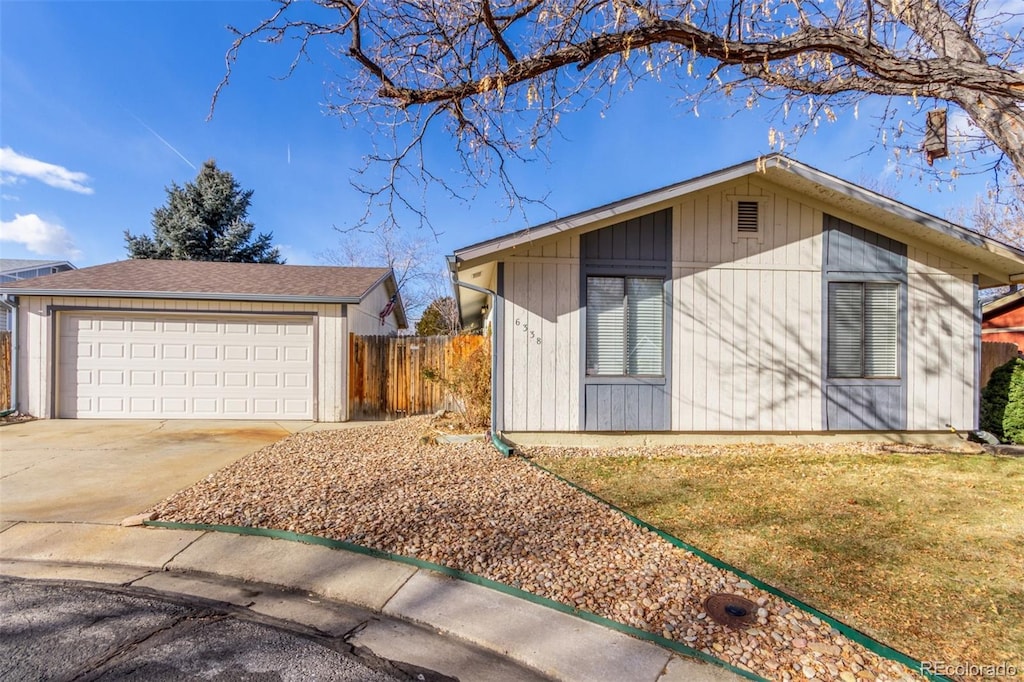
[{"x": 625, "y": 326}]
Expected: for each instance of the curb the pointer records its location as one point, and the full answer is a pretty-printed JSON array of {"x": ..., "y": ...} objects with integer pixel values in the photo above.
[{"x": 670, "y": 645}]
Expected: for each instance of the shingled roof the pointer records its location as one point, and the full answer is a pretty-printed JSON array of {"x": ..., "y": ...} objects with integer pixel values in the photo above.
[{"x": 207, "y": 280}]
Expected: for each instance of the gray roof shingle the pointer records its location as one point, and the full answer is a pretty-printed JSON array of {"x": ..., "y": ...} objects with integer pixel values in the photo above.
[{"x": 178, "y": 279}]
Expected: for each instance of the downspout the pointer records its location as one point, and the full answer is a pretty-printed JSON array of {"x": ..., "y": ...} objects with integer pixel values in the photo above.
[
  {"x": 496, "y": 440},
  {"x": 12, "y": 301}
]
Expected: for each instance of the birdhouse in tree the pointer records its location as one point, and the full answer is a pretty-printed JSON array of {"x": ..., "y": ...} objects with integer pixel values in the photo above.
[{"x": 935, "y": 136}]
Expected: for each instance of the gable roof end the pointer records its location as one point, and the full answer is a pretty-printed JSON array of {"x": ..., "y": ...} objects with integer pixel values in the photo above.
[{"x": 999, "y": 263}]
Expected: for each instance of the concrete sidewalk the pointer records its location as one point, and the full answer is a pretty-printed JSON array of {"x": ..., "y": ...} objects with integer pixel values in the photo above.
[{"x": 417, "y": 617}]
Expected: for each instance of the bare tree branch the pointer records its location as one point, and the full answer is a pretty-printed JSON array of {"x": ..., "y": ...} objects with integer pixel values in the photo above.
[{"x": 499, "y": 74}]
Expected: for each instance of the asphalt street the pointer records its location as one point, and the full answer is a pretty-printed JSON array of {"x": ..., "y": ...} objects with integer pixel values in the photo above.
[{"x": 67, "y": 631}]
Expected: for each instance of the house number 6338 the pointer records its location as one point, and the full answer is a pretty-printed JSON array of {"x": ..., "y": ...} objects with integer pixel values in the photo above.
[{"x": 526, "y": 330}]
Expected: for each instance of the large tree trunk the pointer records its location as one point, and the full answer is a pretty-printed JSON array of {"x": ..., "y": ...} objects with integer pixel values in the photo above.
[{"x": 1001, "y": 120}]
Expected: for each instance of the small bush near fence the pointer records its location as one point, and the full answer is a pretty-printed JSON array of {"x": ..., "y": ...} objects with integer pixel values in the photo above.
[
  {"x": 1002, "y": 402},
  {"x": 467, "y": 380}
]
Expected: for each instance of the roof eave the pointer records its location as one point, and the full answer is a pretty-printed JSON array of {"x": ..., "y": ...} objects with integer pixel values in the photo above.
[
  {"x": 774, "y": 167},
  {"x": 899, "y": 209},
  {"x": 611, "y": 210},
  {"x": 180, "y": 295},
  {"x": 998, "y": 304}
]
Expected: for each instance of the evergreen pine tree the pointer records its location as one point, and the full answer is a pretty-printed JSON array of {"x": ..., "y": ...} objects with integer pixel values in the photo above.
[{"x": 205, "y": 220}]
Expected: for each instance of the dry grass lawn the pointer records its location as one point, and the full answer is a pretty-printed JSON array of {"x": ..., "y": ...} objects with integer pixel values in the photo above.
[{"x": 922, "y": 551}]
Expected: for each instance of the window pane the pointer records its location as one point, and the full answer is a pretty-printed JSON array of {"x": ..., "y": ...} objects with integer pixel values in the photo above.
[
  {"x": 881, "y": 313},
  {"x": 605, "y": 325},
  {"x": 845, "y": 330},
  {"x": 645, "y": 334}
]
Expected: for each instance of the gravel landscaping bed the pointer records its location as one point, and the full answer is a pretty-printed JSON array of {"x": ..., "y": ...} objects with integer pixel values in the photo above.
[{"x": 464, "y": 506}]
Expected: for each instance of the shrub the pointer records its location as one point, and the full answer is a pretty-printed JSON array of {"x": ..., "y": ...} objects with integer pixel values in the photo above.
[
  {"x": 466, "y": 381},
  {"x": 1002, "y": 402}
]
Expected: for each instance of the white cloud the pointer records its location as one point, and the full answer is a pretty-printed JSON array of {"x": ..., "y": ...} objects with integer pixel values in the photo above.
[
  {"x": 14, "y": 167},
  {"x": 39, "y": 236}
]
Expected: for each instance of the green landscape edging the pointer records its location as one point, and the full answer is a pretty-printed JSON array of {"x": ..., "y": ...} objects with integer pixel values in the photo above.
[
  {"x": 865, "y": 640},
  {"x": 672, "y": 645}
]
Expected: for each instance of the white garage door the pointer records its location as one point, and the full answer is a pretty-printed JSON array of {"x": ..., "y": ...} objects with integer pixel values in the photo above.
[{"x": 185, "y": 366}]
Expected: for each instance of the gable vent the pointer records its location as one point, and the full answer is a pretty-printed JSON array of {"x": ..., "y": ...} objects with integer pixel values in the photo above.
[{"x": 747, "y": 216}]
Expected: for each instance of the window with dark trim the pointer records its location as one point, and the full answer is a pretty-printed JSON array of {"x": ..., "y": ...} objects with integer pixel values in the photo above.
[
  {"x": 863, "y": 330},
  {"x": 625, "y": 326}
]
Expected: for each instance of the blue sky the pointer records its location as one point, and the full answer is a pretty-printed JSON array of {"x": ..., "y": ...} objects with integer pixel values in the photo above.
[{"x": 103, "y": 104}]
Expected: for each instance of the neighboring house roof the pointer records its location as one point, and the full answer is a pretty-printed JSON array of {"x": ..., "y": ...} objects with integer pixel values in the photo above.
[
  {"x": 210, "y": 280},
  {"x": 997, "y": 263},
  {"x": 13, "y": 265},
  {"x": 1002, "y": 304}
]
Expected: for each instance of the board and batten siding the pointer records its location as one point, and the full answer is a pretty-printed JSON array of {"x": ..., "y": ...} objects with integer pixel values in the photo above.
[
  {"x": 638, "y": 247},
  {"x": 38, "y": 353},
  {"x": 746, "y": 315},
  {"x": 746, "y": 324},
  {"x": 942, "y": 346},
  {"x": 854, "y": 254},
  {"x": 364, "y": 319},
  {"x": 540, "y": 338}
]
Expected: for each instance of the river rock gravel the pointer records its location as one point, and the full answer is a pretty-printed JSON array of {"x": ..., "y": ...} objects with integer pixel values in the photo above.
[{"x": 464, "y": 506}]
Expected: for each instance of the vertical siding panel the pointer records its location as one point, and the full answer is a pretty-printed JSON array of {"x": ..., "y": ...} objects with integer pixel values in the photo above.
[
  {"x": 603, "y": 407},
  {"x": 535, "y": 388},
  {"x": 511, "y": 368},
  {"x": 765, "y": 347},
  {"x": 794, "y": 363},
  {"x": 563, "y": 344},
  {"x": 711, "y": 405},
  {"x": 616, "y": 413},
  {"x": 948, "y": 342},
  {"x": 590, "y": 396},
  {"x": 728, "y": 352},
  {"x": 812, "y": 285},
  {"x": 700, "y": 229},
  {"x": 699, "y": 340},
  {"x": 631, "y": 407},
  {"x": 794, "y": 218},
  {"x": 716, "y": 250},
  {"x": 519, "y": 371},
  {"x": 572, "y": 314},
  {"x": 917, "y": 377},
  {"x": 810, "y": 225},
  {"x": 779, "y": 358},
  {"x": 678, "y": 344},
  {"x": 551, "y": 407},
  {"x": 683, "y": 239},
  {"x": 742, "y": 350},
  {"x": 563, "y": 248},
  {"x": 683, "y": 362},
  {"x": 958, "y": 332}
]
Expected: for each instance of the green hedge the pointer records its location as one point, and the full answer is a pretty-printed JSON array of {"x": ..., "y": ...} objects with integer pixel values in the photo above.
[{"x": 1002, "y": 403}]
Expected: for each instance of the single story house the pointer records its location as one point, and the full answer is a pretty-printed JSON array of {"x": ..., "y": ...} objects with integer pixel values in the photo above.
[
  {"x": 765, "y": 297},
  {"x": 13, "y": 269},
  {"x": 187, "y": 339},
  {"x": 1002, "y": 319}
]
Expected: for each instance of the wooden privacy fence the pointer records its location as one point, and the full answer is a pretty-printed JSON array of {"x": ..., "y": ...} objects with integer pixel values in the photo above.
[
  {"x": 385, "y": 373},
  {"x": 993, "y": 354},
  {"x": 5, "y": 370}
]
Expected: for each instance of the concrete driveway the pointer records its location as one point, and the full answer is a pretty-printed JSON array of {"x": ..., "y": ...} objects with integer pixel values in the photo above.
[{"x": 101, "y": 471}]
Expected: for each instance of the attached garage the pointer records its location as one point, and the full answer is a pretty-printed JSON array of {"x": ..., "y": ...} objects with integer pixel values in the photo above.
[{"x": 191, "y": 340}]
